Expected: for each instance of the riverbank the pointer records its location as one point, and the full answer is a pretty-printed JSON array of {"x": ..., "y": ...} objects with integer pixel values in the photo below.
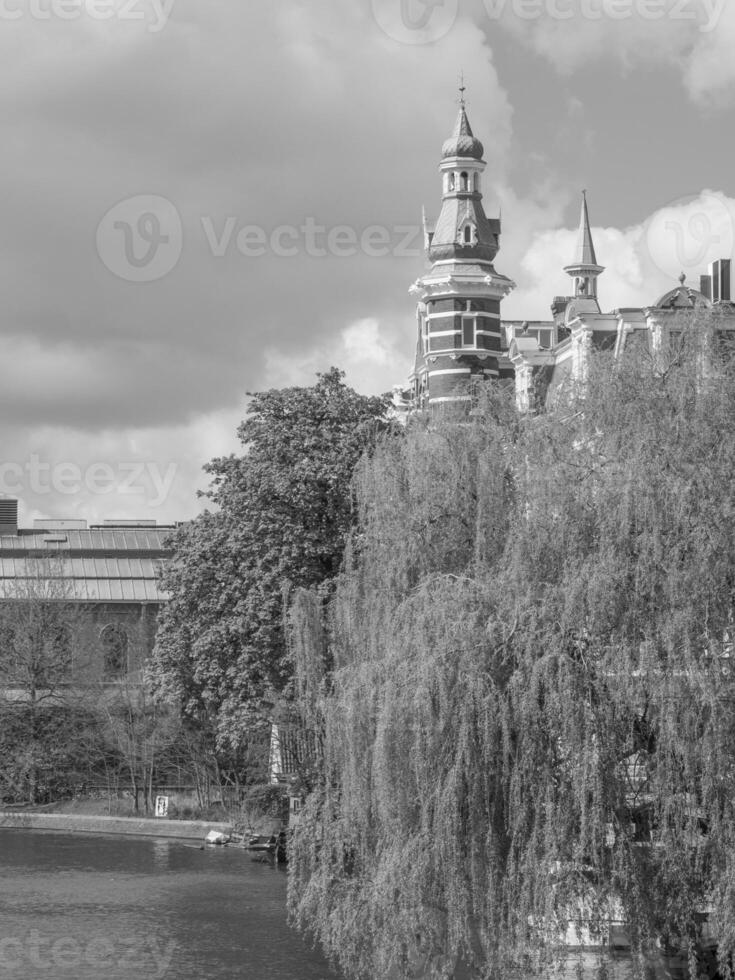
[{"x": 132, "y": 826}]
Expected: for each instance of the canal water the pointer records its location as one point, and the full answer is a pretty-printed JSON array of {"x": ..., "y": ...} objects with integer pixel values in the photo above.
[{"x": 118, "y": 907}]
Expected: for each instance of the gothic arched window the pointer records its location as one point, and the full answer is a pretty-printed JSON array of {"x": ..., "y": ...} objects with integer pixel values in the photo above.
[
  {"x": 115, "y": 650},
  {"x": 468, "y": 234}
]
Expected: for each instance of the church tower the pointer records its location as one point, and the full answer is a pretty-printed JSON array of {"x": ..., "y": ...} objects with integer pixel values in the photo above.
[{"x": 458, "y": 312}]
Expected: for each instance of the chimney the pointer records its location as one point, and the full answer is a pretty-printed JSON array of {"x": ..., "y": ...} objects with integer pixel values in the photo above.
[
  {"x": 705, "y": 286},
  {"x": 9, "y": 517},
  {"x": 720, "y": 273}
]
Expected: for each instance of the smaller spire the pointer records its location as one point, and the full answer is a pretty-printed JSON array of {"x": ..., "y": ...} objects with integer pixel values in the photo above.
[
  {"x": 462, "y": 89},
  {"x": 584, "y": 269},
  {"x": 585, "y": 246}
]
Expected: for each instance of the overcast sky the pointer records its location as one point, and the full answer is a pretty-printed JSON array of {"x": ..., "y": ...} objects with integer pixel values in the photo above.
[{"x": 201, "y": 199}]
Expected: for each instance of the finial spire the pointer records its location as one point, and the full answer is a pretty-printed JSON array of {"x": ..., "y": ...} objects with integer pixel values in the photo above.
[
  {"x": 584, "y": 269},
  {"x": 462, "y": 89},
  {"x": 585, "y": 248}
]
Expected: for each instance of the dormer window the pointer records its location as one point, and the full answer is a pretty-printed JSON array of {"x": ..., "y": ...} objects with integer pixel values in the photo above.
[{"x": 468, "y": 234}]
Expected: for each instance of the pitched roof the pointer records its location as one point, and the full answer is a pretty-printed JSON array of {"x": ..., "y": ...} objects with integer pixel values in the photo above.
[{"x": 90, "y": 565}]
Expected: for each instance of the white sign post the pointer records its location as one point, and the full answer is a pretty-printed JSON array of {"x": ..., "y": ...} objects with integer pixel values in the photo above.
[{"x": 161, "y": 806}]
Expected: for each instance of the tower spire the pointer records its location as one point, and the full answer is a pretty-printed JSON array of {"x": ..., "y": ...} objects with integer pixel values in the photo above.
[
  {"x": 584, "y": 269},
  {"x": 585, "y": 247},
  {"x": 462, "y": 89}
]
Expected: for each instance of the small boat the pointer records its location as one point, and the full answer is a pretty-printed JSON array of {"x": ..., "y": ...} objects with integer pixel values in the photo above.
[
  {"x": 216, "y": 837},
  {"x": 263, "y": 846}
]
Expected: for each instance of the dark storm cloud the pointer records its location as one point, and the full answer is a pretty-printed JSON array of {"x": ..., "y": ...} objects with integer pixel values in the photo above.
[
  {"x": 246, "y": 115},
  {"x": 279, "y": 117}
]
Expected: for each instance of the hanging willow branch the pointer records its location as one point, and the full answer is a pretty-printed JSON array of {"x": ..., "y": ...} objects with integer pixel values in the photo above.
[{"x": 533, "y": 729}]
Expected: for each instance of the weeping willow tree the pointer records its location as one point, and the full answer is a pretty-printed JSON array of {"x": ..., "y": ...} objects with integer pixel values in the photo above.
[{"x": 528, "y": 727}]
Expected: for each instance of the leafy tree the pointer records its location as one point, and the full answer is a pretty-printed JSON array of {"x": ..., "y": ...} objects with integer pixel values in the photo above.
[
  {"x": 529, "y": 724},
  {"x": 283, "y": 511}
]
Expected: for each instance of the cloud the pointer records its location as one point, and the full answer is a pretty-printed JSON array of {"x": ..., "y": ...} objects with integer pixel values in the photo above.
[
  {"x": 145, "y": 473},
  {"x": 694, "y": 37},
  {"x": 641, "y": 262},
  {"x": 710, "y": 69},
  {"x": 247, "y": 116},
  {"x": 255, "y": 116},
  {"x": 374, "y": 355},
  {"x": 240, "y": 115}
]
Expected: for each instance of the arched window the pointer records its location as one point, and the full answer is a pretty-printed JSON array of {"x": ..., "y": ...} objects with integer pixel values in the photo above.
[
  {"x": 476, "y": 181},
  {"x": 463, "y": 178},
  {"x": 468, "y": 234},
  {"x": 115, "y": 650},
  {"x": 451, "y": 182}
]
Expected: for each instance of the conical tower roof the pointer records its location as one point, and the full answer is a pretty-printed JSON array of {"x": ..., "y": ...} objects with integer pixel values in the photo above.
[{"x": 585, "y": 253}]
